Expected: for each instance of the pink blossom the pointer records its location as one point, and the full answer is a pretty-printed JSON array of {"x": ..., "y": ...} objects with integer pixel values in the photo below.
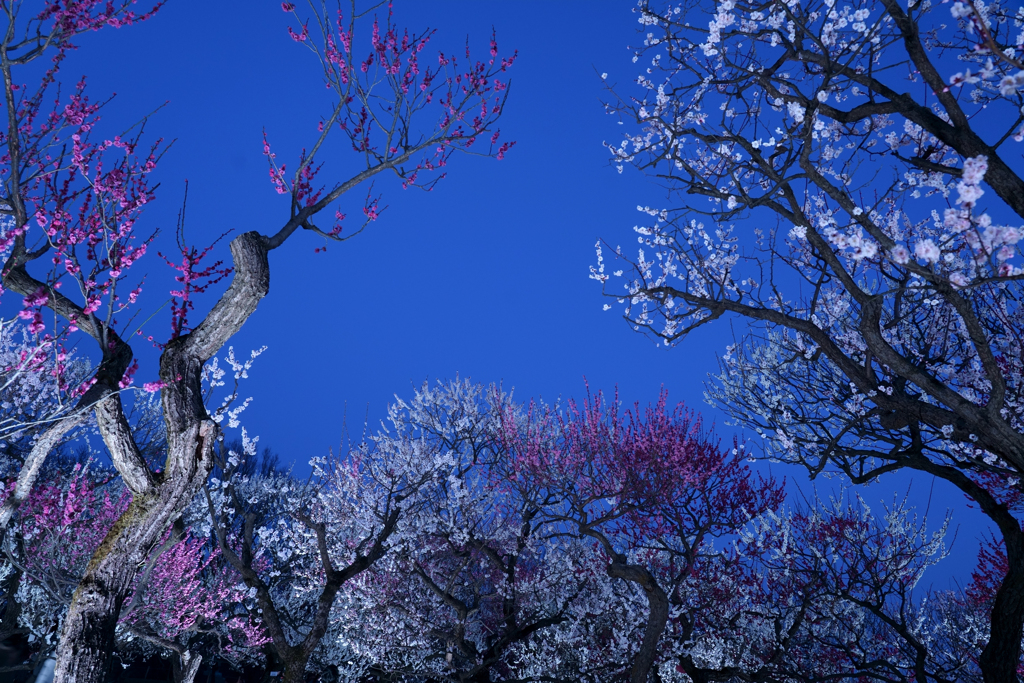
[
  {"x": 974, "y": 169},
  {"x": 927, "y": 250}
]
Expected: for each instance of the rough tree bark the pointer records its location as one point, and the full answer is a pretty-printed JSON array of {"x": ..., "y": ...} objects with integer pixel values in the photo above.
[{"x": 87, "y": 636}]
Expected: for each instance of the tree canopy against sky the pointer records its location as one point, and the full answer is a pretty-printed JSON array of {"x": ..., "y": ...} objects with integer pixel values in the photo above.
[
  {"x": 74, "y": 192},
  {"x": 510, "y": 306},
  {"x": 846, "y": 180},
  {"x": 489, "y": 287}
]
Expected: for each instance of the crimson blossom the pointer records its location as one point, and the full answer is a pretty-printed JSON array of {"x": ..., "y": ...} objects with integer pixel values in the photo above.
[{"x": 651, "y": 489}]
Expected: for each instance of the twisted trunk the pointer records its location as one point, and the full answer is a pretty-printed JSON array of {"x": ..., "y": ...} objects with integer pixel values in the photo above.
[
  {"x": 657, "y": 602},
  {"x": 87, "y": 637}
]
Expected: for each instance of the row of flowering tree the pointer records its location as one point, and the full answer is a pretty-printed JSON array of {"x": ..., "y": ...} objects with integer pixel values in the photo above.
[
  {"x": 474, "y": 539},
  {"x": 72, "y": 193}
]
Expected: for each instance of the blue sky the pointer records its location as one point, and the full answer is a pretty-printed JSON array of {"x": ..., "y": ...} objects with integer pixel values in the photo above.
[{"x": 485, "y": 277}]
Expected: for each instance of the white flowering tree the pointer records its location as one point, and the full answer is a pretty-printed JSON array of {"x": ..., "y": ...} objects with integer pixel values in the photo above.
[
  {"x": 480, "y": 582},
  {"x": 841, "y": 598},
  {"x": 848, "y": 181},
  {"x": 297, "y": 546}
]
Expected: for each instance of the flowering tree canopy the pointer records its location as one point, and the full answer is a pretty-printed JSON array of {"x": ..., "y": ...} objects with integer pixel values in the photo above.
[
  {"x": 650, "y": 487},
  {"x": 477, "y": 539},
  {"x": 848, "y": 184}
]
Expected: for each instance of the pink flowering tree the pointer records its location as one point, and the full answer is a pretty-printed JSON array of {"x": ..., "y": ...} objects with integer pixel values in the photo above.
[
  {"x": 182, "y": 596},
  {"x": 59, "y": 527},
  {"x": 650, "y": 489},
  {"x": 37, "y": 389},
  {"x": 845, "y": 179},
  {"x": 189, "y": 605},
  {"x": 75, "y": 198}
]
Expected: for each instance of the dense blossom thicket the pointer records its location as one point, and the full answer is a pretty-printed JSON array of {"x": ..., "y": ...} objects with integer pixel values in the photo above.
[
  {"x": 97, "y": 558},
  {"x": 476, "y": 539},
  {"x": 845, "y": 177}
]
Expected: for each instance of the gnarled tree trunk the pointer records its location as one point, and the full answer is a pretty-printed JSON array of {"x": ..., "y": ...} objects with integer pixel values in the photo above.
[{"x": 87, "y": 637}]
